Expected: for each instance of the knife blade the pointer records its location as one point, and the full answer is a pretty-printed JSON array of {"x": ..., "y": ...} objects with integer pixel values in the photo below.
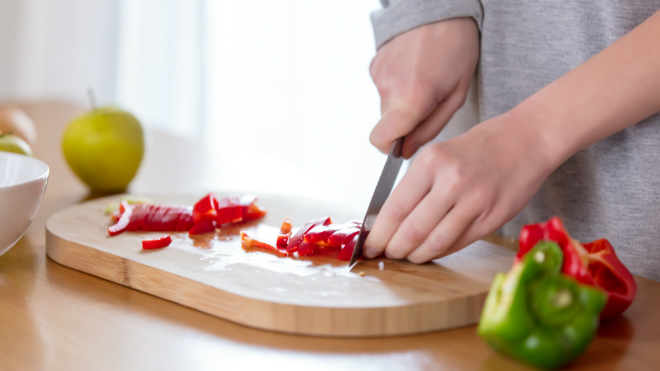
[{"x": 382, "y": 192}]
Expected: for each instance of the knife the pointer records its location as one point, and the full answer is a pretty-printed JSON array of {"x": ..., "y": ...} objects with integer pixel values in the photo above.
[{"x": 382, "y": 192}]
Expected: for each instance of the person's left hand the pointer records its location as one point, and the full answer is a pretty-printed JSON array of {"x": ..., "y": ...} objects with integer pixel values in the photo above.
[{"x": 460, "y": 190}]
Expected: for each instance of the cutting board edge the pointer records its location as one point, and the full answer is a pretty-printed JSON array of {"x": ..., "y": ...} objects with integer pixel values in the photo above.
[{"x": 288, "y": 318}]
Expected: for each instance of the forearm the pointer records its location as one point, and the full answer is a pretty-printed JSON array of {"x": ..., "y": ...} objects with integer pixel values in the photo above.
[{"x": 613, "y": 90}]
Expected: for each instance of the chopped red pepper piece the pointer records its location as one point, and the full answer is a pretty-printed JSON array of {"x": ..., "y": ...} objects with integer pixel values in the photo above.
[
  {"x": 305, "y": 248},
  {"x": 170, "y": 219},
  {"x": 346, "y": 253},
  {"x": 248, "y": 241},
  {"x": 297, "y": 239},
  {"x": 202, "y": 226},
  {"x": 229, "y": 210},
  {"x": 249, "y": 208},
  {"x": 123, "y": 221},
  {"x": 205, "y": 208},
  {"x": 285, "y": 234},
  {"x": 138, "y": 217},
  {"x": 594, "y": 264},
  {"x": 342, "y": 236},
  {"x": 185, "y": 221},
  {"x": 157, "y": 243},
  {"x": 149, "y": 221}
]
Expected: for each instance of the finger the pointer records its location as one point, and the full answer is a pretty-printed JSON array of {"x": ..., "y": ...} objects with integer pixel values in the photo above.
[
  {"x": 428, "y": 129},
  {"x": 445, "y": 234},
  {"x": 418, "y": 225},
  {"x": 398, "y": 120},
  {"x": 407, "y": 194},
  {"x": 475, "y": 231}
]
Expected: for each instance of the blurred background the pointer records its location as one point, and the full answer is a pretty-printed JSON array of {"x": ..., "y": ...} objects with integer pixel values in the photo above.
[{"x": 269, "y": 96}]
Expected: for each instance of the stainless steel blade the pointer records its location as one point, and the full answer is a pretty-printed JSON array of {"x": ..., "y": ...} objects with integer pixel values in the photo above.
[{"x": 382, "y": 192}]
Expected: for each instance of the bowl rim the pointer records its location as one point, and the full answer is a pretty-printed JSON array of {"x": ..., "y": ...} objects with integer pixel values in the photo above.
[{"x": 43, "y": 176}]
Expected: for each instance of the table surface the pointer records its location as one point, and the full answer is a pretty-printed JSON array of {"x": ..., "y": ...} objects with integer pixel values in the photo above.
[{"x": 56, "y": 318}]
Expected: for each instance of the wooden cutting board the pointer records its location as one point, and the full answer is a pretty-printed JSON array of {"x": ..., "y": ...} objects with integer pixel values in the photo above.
[{"x": 314, "y": 295}]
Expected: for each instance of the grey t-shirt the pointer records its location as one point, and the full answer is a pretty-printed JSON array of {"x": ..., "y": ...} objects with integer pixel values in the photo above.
[{"x": 608, "y": 190}]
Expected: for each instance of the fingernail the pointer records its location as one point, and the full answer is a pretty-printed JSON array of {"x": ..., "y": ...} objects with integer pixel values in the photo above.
[{"x": 369, "y": 252}]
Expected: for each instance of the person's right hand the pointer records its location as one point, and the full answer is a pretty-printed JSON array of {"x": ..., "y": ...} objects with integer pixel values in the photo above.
[{"x": 423, "y": 77}]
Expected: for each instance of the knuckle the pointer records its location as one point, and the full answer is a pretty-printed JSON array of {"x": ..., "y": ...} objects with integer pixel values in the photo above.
[
  {"x": 394, "y": 253},
  {"x": 437, "y": 244},
  {"x": 394, "y": 210},
  {"x": 412, "y": 234}
]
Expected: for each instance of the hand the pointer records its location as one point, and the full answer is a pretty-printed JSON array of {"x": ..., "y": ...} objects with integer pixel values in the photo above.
[
  {"x": 423, "y": 77},
  {"x": 457, "y": 191}
]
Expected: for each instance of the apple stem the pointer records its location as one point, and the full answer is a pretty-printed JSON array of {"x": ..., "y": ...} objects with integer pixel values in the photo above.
[{"x": 92, "y": 98}]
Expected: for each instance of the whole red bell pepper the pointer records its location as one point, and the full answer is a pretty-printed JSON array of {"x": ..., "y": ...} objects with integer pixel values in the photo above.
[{"x": 594, "y": 263}]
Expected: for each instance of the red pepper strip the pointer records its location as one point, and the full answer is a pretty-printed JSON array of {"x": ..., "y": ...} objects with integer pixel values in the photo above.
[
  {"x": 157, "y": 220},
  {"x": 283, "y": 240},
  {"x": 149, "y": 222},
  {"x": 346, "y": 253},
  {"x": 285, "y": 234},
  {"x": 169, "y": 220},
  {"x": 157, "y": 243},
  {"x": 138, "y": 217},
  {"x": 595, "y": 263},
  {"x": 115, "y": 216},
  {"x": 575, "y": 265},
  {"x": 121, "y": 225},
  {"x": 202, "y": 226},
  {"x": 611, "y": 275},
  {"x": 305, "y": 248},
  {"x": 185, "y": 221},
  {"x": 205, "y": 208},
  {"x": 248, "y": 241},
  {"x": 321, "y": 233},
  {"x": 229, "y": 210},
  {"x": 297, "y": 239},
  {"x": 342, "y": 236},
  {"x": 249, "y": 208}
]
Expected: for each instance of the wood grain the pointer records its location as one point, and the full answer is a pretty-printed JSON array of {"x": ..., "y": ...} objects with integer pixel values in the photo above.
[{"x": 314, "y": 295}]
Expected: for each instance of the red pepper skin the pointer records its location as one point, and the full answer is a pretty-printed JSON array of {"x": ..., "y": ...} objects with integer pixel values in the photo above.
[
  {"x": 229, "y": 210},
  {"x": 553, "y": 230},
  {"x": 157, "y": 220},
  {"x": 249, "y": 242},
  {"x": 149, "y": 221},
  {"x": 205, "y": 208},
  {"x": 249, "y": 209},
  {"x": 594, "y": 263},
  {"x": 305, "y": 248},
  {"x": 346, "y": 253},
  {"x": 157, "y": 243},
  {"x": 321, "y": 233},
  {"x": 342, "y": 236},
  {"x": 283, "y": 240},
  {"x": 123, "y": 221},
  {"x": 611, "y": 275},
  {"x": 185, "y": 221},
  {"x": 201, "y": 227},
  {"x": 138, "y": 217},
  {"x": 169, "y": 220},
  {"x": 297, "y": 239}
]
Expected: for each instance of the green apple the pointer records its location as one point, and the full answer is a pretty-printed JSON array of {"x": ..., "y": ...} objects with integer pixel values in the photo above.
[
  {"x": 11, "y": 143},
  {"x": 104, "y": 148}
]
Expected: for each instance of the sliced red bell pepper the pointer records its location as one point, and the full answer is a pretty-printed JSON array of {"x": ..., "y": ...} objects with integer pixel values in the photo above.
[
  {"x": 185, "y": 221},
  {"x": 169, "y": 220},
  {"x": 248, "y": 241},
  {"x": 138, "y": 216},
  {"x": 201, "y": 227},
  {"x": 149, "y": 221},
  {"x": 347, "y": 251},
  {"x": 594, "y": 264},
  {"x": 305, "y": 248},
  {"x": 297, "y": 239},
  {"x": 229, "y": 210},
  {"x": 342, "y": 236},
  {"x": 205, "y": 208},
  {"x": 123, "y": 221},
  {"x": 285, "y": 234},
  {"x": 249, "y": 208},
  {"x": 157, "y": 243},
  {"x": 157, "y": 220}
]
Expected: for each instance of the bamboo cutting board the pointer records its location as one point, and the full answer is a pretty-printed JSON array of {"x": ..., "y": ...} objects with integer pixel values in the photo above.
[{"x": 314, "y": 295}]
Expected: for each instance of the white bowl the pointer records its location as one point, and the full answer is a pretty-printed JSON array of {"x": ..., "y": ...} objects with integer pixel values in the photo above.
[{"x": 22, "y": 184}]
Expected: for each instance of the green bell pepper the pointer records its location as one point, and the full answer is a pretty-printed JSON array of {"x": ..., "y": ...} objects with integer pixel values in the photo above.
[{"x": 539, "y": 315}]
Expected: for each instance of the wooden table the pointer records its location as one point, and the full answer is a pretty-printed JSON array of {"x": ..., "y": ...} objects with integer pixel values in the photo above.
[{"x": 56, "y": 318}]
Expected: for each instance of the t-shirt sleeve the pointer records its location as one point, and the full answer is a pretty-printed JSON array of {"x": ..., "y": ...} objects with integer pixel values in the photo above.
[{"x": 399, "y": 16}]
